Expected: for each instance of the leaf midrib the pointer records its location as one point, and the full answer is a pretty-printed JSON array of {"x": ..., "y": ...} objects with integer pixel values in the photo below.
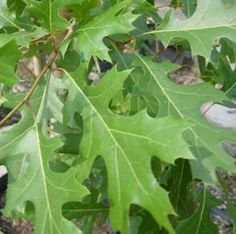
[
  {"x": 109, "y": 132},
  {"x": 178, "y": 111},
  {"x": 160, "y": 86},
  {"x": 191, "y": 29}
]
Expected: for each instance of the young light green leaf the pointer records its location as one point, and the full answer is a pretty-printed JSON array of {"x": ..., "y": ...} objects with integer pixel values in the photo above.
[
  {"x": 211, "y": 20},
  {"x": 127, "y": 145},
  {"x": 26, "y": 151}
]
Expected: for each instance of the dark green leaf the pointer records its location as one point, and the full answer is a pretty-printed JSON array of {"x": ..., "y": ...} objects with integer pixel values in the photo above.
[
  {"x": 200, "y": 222},
  {"x": 9, "y": 56}
]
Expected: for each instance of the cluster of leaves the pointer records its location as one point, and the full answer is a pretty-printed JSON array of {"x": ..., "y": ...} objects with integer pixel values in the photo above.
[{"x": 130, "y": 148}]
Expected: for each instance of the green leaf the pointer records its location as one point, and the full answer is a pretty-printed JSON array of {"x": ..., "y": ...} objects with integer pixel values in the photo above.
[
  {"x": 16, "y": 5},
  {"x": 80, "y": 210},
  {"x": 48, "y": 12},
  {"x": 26, "y": 150},
  {"x": 185, "y": 102},
  {"x": 228, "y": 48},
  {"x": 130, "y": 146},
  {"x": 22, "y": 38},
  {"x": 2, "y": 100},
  {"x": 85, "y": 11},
  {"x": 225, "y": 67},
  {"x": 6, "y": 18},
  {"x": 127, "y": 145},
  {"x": 179, "y": 178},
  {"x": 229, "y": 2},
  {"x": 212, "y": 20},
  {"x": 9, "y": 56},
  {"x": 94, "y": 208},
  {"x": 189, "y": 6},
  {"x": 113, "y": 21},
  {"x": 232, "y": 212},
  {"x": 200, "y": 221}
]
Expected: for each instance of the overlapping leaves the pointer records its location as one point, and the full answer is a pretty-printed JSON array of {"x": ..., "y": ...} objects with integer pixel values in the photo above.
[
  {"x": 211, "y": 20},
  {"x": 127, "y": 145},
  {"x": 49, "y": 12},
  {"x": 200, "y": 221},
  {"x": 26, "y": 150},
  {"x": 90, "y": 36},
  {"x": 185, "y": 102},
  {"x": 6, "y": 18}
]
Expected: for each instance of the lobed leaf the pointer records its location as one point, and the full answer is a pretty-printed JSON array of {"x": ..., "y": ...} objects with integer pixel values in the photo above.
[
  {"x": 48, "y": 11},
  {"x": 26, "y": 150},
  {"x": 211, "y": 21},
  {"x": 200, "y": 221},
  {"x": 127, "y": 145},
  {"x": 185, "y": 102},
  {"x": 90, "y": 36}
]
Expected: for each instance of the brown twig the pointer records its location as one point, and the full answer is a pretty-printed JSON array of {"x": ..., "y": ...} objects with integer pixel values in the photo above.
[
  {"x": 38, "y": 77},
  {"x": 31, "y": 91},
  {"x": 208, "y": 108},
  {"x": 29, "y": 70}
]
